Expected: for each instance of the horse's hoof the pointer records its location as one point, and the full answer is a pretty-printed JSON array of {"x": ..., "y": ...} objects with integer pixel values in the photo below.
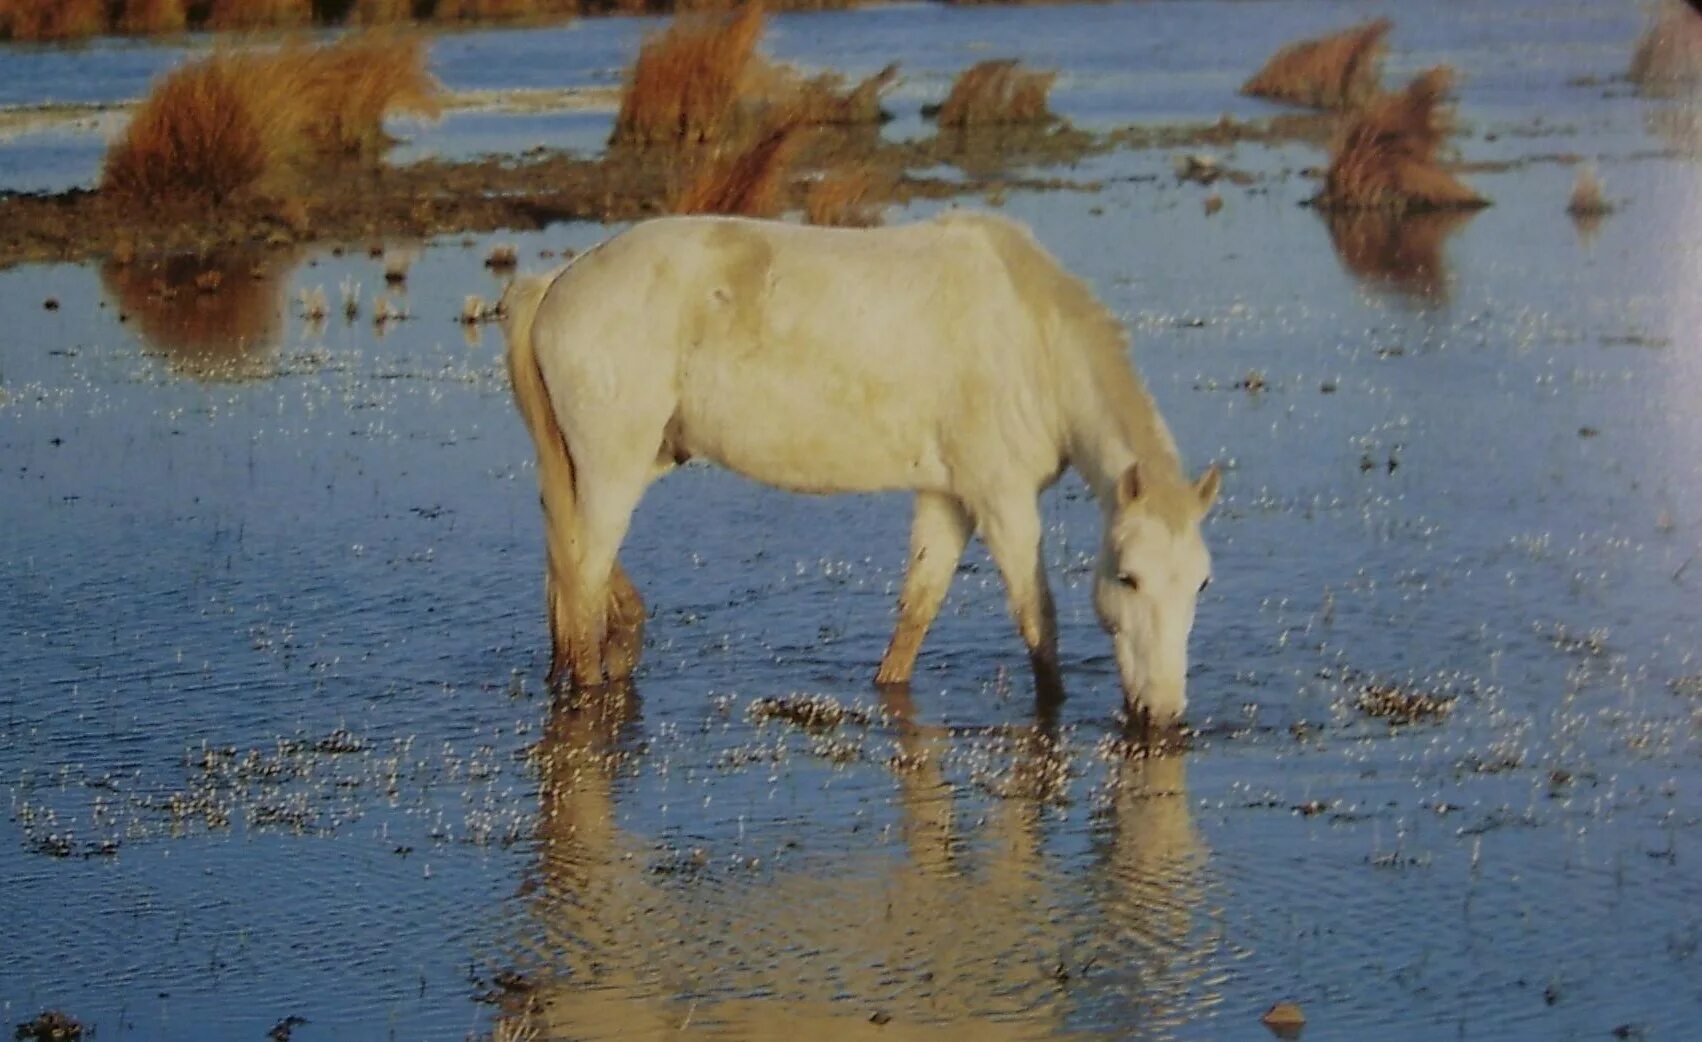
[{"x": 1147, "y": 732}]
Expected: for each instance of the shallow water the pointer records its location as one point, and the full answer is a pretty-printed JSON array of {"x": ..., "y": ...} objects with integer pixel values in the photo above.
[{"x": 273, "y": 740}]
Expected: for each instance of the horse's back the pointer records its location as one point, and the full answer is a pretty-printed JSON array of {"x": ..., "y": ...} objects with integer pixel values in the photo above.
[{"x": 810, "y": 358}]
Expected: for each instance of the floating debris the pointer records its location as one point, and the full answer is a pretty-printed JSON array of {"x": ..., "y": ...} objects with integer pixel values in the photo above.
[
  {"x": 351, "y": 299},
  {"x": 313, "y": 304},
  {"x": 1687, "y": 687},
  {"x": 1197, "y": 167},
  {"x": 396, "y": 266},
  {"x": 1587, "y": 198},
  {"x": 49, "y": 1026},
  {"x": 811, "y": 712},
  {"x": 1399, "y": 705}
]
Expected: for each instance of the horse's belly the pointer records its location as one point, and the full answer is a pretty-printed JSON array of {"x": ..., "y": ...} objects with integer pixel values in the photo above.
[{"x": 808, "y": 442}]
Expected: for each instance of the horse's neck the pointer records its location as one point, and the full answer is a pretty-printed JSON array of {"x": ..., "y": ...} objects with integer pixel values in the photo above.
[{"x": 1114, "y": 422}]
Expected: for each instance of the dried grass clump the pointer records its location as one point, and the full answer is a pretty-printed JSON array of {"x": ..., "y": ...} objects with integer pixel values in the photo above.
[
  {"x": 1338, "y": 71},
  {"x": 1587, "y": 197},
  {"x": 353, "y": 84},
  {"x": 29, "y": 20},
  {"x": 151, "y": 17},
  {"x": 822, "y": 100},
  {"x": 845, "y": 199},
  {"x": 241, "y": 121},
  {"x": 1386, "y": 157},
  {"x": 751, "y": 181},
  {"x": 684, "y": 87},
  {"x": 1670, "y": 52},
  {"x": 258, "y": 14},
  {"x": 995, "y": 93},
  {"x": 206, "y": 132}
]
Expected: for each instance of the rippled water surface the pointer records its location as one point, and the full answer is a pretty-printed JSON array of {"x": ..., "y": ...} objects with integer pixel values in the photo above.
[{"x": 273, "y": 738}]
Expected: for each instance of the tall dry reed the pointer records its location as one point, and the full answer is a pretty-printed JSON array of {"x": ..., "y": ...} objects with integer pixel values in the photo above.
[
  {"x": 845, "y": 198},
  {"x": 750, "y": 181},
  {"x": 1338, "y": 71},
  {"x": 1386, "y": 157},
  {"x": 997, "y": 92},
  {"x": 684, "y": 86}
]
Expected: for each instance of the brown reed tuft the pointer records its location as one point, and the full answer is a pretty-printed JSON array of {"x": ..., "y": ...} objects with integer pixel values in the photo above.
[
  {"x": 1670, "y": 51},
  {"x": 684, "y": 87},
  {"x": 846, "y": 198},
  {"x": 353, "y": 84},
  {"x": 1385, "y": 158},
  {"x": 241, "y": 121},
  {"x": 750, "y": 181},
  {"x": 822, "y": 100},
  {"x": 997, "y": 92},
  {"x": 206, "y": 132},
  {"x": 28, "y": 20},
  {"x": 1339, "y": 71}
]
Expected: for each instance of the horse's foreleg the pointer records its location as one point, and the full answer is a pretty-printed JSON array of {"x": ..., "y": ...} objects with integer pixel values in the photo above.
[
  {"x": 1012, "y": 533},
  {"x": 937, "y": 538}
]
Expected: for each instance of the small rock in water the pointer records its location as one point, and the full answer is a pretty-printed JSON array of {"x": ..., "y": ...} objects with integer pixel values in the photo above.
[{"x": 1284, "y": 1019}]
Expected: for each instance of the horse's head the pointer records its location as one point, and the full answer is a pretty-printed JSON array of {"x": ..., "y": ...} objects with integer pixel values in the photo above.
[{"x": 1152, "y": 566}]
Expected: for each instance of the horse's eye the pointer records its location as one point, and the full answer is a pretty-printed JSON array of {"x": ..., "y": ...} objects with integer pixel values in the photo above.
[
  {"x": 1128, "y": 580},
  {"x": 1205, "y": 583}
]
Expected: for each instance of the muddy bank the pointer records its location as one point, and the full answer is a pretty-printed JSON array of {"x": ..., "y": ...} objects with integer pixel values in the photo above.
[{"x": 358, "y": 202}]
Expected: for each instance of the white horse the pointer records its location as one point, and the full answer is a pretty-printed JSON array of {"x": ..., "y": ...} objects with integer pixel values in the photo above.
[{"x": 953, "y": 358}]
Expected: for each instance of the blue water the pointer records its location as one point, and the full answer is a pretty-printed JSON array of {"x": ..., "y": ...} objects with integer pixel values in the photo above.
[{"x": 273, "y": 739}]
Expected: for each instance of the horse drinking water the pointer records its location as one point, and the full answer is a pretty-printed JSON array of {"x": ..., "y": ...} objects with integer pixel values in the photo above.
[{"x": 953, "y": 358}]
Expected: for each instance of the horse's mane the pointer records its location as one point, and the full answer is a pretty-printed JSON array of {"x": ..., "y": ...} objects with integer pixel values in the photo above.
[{"x": 1075, "y": 321}]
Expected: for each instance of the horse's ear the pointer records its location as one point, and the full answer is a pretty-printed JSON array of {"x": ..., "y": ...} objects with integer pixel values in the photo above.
[
  {"x": 1128, "y": 487},
  {"x": 1207, "y": 487}
]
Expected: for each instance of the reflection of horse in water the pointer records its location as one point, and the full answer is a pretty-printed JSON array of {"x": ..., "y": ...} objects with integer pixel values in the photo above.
[
  {"x": 954, "y": 359},
  {"x": 959, "y": 932}
]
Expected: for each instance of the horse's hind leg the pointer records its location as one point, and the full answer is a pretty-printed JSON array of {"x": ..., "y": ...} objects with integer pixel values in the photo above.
[
  {"x": 937, "y": 537},
  {"x": 607, "y": 494},
  {"x": 1011, "y": 529},
  {"x": 624, "y": 638}
]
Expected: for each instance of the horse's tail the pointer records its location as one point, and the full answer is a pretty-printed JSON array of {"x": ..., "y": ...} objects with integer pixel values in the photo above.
[{"x": 519, "y": 310}]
